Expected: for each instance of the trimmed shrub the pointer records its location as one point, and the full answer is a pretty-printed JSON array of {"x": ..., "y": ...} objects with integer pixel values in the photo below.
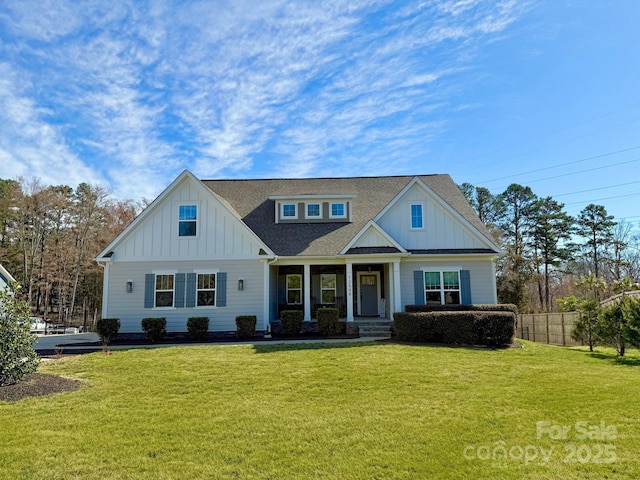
[
  {"x": 461, "y": 328},
  {"x": 156, "y": 328},
  {"x": 108, "y": 329},
  {"x": 17, "y": 355},
  {"x": 246, "y": 326},
  {"x": 291, "y": 321},
  {"x": 502, "y": 307},
  {"x": 328, "y": 321},
  {"x": 198, "y": 328}
]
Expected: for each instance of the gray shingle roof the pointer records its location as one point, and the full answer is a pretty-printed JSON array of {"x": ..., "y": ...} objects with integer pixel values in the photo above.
[{"x": 249, "y": 199}]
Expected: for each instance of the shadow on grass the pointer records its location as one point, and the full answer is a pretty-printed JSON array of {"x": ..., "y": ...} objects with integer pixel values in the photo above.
[
  {"x": 283, "y": 347},
  {"x": 615, "y": 359}
]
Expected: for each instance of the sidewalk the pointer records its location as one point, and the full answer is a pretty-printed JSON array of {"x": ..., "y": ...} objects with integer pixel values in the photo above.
[{"x": 52, "y": 344}]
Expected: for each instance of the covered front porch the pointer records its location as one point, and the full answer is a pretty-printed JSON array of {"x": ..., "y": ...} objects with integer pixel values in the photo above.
[{"x": 358, "y": 289}]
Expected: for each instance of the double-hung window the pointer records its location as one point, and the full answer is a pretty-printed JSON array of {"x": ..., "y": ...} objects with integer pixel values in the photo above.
[
  {"x": 442, "y": 288},
  {"x": 206, "y": 290},
  {"x": 187, "y": 220},
  {"x": 328, "y": 287},
  {"x": 164, "y": 289},
  {"x": 294, "y": 289},
  {"x": 416, "y": 216},
  {"x": 289, "y": 211}
]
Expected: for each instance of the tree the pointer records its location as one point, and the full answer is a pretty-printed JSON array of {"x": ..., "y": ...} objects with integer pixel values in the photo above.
[
  {"x": 596, "y": 226},
  {"x": 552, "y": 229},
  {"x": 618, "y": 324},
  {"x": 586, "y": 328},
  {"x": 17, "y": 356},
  {"x": 516, "y": 223}
]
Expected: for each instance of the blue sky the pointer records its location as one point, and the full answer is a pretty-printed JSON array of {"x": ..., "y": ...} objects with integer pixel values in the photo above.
[{"x": 128, "y": 94}]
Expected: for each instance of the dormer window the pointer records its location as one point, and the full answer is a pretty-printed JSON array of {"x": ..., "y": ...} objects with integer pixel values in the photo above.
[
  {"x": 313, "y": 210},
  {"x": 338, "y": 210},
  {"x": 289, "y": 210},
  {"x": 187, "y": 220}
]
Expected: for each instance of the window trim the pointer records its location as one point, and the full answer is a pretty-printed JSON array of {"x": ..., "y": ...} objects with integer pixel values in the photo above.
[
  {"x": 196, "y": 221},
  {"x": 334, "y": 289},
  {"x": 155, "y": 290},
  {"x": 289, "y": 217},
  {"x": 215, "y": 290},
  {"x": 344, "y": 209},
  {"x": 416, "y": 204},
  {"x": 442, "y": 289},
  {"x": 287, "y": 289},
  {"x": 308, "y": 204}
]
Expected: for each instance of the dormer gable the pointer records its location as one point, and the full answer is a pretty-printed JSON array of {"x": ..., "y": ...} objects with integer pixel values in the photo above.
[{"x": 313, "y": 208}]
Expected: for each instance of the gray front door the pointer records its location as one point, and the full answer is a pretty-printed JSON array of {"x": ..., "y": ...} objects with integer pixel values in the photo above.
[{"x": 369, "y": 295}]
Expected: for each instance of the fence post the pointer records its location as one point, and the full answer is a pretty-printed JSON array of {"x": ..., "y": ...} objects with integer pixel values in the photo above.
[
  {"x": 564, "y": 344},
  {"x": 547, "y": 319},
  {"x": 533, "y": 326}
]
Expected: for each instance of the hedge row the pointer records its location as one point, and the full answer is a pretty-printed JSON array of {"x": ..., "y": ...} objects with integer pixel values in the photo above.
[
  {"x": 503, "y": 307},
  {"x": 456, "y": 328}
]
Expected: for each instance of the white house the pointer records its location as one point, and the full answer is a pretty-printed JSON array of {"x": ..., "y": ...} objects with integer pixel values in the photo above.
[
  {"x": 367, "y": 245},
  {"x": 5, "y": 278}
]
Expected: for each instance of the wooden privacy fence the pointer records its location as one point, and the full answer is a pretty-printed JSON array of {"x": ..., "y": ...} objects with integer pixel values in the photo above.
[{"x": 552, "y": 328}]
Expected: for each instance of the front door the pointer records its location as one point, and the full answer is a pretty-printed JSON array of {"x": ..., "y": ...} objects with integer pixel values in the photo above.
[{"x": 368, "y": 294}]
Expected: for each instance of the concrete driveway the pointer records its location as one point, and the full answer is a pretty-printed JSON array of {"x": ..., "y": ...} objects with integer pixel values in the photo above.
[{"x": 49, "y": 342}]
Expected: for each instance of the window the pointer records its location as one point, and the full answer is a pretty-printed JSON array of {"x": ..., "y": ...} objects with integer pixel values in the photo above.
[
  {"x": 294, "y": 289},
  {"x": 328, "y": 287},
  {"x": 164, "y": 290},
  {"x": 289, "y": 210},
  {"x": 337, "y": 210},
  {"x": 313, "y": 210},
  {"x": 187, "y": 219},
  {"x": 442, "y": 288},
  {"x": 206, "y": 290},
  {"x": 416, "y": 216}
]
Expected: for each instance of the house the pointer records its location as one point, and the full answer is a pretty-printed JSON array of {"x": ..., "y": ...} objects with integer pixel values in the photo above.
[
  {"x": 366, "y": 245},
  {"x": 5, "y": 278}
]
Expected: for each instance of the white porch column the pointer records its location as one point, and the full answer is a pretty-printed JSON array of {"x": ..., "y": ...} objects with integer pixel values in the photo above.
[
  {"x": 105, "y": 291},
  {"x": 307, "y": 292},
  {"x": 349, "y": 292},
  {"x": 265, "y": 296},
  {"x": 397, "y": 293}
]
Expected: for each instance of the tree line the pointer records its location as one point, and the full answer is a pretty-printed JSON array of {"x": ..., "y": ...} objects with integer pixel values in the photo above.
[
  {"x": 547, "y": 251},
  {"x": 49, "y": 237}
]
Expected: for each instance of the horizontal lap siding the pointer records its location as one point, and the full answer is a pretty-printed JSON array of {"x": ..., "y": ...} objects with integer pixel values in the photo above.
[
  {"x": 480, "y": 271},
  {"x": 129, "y": 307}
]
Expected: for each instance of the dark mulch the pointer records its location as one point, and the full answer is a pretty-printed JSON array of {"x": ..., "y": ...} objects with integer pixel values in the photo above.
[{"x": 37, "y": 384}]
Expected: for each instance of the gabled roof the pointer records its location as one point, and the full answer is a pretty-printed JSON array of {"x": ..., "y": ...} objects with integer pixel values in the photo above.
[
  {"x": 254, "y": 204},
  {"x": 5, "y": 276}
]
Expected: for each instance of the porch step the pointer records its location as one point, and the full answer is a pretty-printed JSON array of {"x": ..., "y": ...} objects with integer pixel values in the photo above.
[{"x": 371, "y": 327}]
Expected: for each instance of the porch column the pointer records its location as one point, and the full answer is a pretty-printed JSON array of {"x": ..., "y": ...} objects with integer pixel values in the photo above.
[
  {"x": 349, "y": 292},
  {"x": 307, "y": 292},
  {"x": 265, "y": 296},
  {"x": 397, "y": 292}
]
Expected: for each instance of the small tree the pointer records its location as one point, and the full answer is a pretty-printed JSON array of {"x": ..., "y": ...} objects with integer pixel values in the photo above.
[
  {"x": 17, "y": 355},
  {"x": 585, "y": 329},
  {"x": 618, "y": 324}
]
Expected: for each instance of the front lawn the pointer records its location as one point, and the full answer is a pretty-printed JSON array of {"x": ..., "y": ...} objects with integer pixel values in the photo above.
[{"x": 343, "y": 411}]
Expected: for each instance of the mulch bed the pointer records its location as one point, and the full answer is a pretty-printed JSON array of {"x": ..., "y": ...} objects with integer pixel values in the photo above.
[{"x": 37, "y": 384}]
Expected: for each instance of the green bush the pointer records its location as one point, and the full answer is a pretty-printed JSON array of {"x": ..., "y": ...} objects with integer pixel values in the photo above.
[
  {"x": 291, "y": 321},
  {"x": 328, "y": 321},
  {"x": 501, "y": 307},
  {"x": 246, "y": 326},
  {"x": 466, "y": 328},
  {"x": 17, "y": 356},
  {"x": 108, "y": 329},
  {"x": 198, "y": 328},
  {"x": 156, "y": 328}
]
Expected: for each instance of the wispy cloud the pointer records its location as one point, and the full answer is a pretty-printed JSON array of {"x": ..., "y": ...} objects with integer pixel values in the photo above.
[{"x": 130, "y": 93}]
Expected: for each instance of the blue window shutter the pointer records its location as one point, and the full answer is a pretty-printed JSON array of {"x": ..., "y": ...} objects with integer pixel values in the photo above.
[
  {"x": 221, "y": 288},
  {"x": 179, "y": 293},
  {"x": 465, "y": 287},
  {"x": 418, "y": 287},
  {"x": 149, "y": 290},
  {"x": 190, "y": 300}
]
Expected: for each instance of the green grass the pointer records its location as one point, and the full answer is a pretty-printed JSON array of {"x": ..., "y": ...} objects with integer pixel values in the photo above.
[{"x": 306, "y": 411}]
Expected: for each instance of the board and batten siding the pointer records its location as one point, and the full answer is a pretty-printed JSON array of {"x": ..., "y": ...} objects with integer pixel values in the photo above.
[
  {"x": 219, "y": 233},
  {"x": 130, "y": 309},
  {"x": 440, "y": 228},
  {"x": 481, "y": 274}
]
